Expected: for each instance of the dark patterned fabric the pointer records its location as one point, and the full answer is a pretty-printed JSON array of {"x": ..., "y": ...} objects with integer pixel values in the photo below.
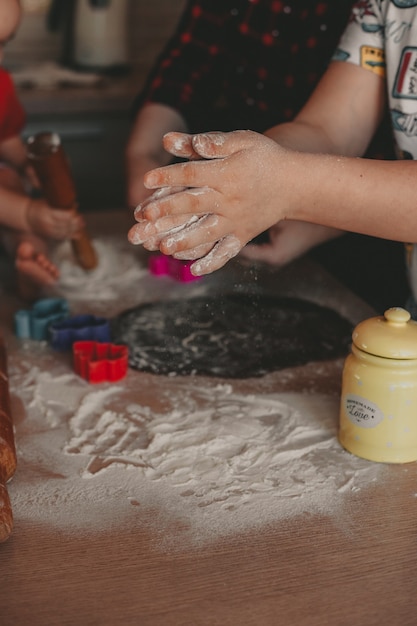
[{"x": 259, "y": 59}]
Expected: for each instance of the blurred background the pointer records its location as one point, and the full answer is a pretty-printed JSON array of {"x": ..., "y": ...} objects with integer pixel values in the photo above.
[{"x": 78, "y": 65}]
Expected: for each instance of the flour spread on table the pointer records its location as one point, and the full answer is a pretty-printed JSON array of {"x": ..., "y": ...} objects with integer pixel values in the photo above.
[
  {"x": 212, "y": 460},
  {"x": 194, "y": 459}
]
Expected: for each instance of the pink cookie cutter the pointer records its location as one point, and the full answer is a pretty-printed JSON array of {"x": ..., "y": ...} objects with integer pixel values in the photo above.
[
  {"x": 163, "y": 265},
  {"x": 100, "y": 362}
]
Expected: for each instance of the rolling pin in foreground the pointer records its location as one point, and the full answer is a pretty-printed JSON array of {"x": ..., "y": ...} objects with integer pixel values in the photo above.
[
  {"x": 7, "y": 448},
  {"x": 47, "y": 156}
]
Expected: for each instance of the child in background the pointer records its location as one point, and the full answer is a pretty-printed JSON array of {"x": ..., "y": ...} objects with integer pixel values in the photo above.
[
  {"x": 231, "y": 64},
  {"x": 26, "y": 223},
  {"x": 248, "y": 182},
  {"x": 239, "y": 64}
]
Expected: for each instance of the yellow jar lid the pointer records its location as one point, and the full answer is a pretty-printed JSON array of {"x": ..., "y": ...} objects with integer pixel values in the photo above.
[{"x": 392, "y": 335}]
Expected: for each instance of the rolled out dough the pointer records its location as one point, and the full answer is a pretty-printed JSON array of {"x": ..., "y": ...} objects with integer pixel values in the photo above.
[{"x": 230, "y": 336}]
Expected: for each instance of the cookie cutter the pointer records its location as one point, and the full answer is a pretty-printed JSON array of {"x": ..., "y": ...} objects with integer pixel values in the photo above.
[
  {"x": 34, "y": 323},
  {"x": 64, "y": 333},
  {"x": 100, "y": 362},
  {"x": 163, "y": 265}
]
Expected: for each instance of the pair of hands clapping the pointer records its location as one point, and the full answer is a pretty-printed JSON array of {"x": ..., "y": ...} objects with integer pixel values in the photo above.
[{"x": 208, "y": 208}]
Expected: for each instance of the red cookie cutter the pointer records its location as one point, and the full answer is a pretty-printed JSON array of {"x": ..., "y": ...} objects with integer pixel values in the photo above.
[
  {"x": 100, "y": 362},
  {"x": 163, "y": 265}
]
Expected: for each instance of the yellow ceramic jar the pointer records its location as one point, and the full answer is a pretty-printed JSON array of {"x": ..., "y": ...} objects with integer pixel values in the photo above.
[{"x": 378, "y": 412}]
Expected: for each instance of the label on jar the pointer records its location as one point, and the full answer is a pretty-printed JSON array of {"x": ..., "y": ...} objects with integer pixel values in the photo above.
[{"x": 362, "y": 412}]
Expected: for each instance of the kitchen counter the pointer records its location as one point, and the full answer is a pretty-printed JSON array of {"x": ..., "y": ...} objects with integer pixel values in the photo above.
[
  {"x": 101, "y": 538},
  {"x": 113, "y": 94}
]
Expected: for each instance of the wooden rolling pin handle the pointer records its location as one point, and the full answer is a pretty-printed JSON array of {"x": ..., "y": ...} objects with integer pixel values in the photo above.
[
  {"x": 84, "y": 251},
  {"x": 46, "y": 155},
  {"x": 7, "y": 448},
  {"x": 6, "y": 514}
]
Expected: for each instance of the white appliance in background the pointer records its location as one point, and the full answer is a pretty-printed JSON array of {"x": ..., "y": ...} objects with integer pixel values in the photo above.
[{"x": 100, "y": 34}]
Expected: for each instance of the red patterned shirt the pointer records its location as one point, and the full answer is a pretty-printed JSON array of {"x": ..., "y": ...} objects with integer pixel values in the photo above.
[
  {"x": 12, "y": 115},
  {"x": 260, "y": 58}
]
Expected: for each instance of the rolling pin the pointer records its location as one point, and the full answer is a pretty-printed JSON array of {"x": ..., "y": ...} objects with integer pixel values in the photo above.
[
  {"x": 47, "y": 156},
  {"x": 7, "y": 448}
]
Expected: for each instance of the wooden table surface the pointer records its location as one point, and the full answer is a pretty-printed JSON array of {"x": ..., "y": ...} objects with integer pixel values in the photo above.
[{"x": 311, "y": 569}]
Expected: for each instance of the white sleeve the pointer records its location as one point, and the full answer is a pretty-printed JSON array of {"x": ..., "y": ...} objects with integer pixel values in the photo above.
[{"x": 362, "y": 43}]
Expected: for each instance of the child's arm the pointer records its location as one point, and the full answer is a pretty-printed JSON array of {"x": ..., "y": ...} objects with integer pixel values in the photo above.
[
  {"x": 13, "y": 152},
  {"x": 248, "y": 182},
  {"x": 144, "y": 150},
  {"x": 22, "y": 213}
]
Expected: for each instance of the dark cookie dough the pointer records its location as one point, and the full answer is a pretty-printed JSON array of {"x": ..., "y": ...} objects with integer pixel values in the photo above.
[{"x": 230, "y": 336}]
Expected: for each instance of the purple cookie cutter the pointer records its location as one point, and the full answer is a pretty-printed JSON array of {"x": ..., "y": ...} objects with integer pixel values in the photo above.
[{"x": 63, "y": 334}]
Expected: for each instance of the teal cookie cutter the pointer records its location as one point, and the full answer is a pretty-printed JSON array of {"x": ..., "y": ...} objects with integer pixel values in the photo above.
[{"x": 34, "y": 323}]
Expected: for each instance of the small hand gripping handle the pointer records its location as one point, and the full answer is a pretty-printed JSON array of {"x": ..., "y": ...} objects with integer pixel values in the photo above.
[{"x": 47, "y": 156}]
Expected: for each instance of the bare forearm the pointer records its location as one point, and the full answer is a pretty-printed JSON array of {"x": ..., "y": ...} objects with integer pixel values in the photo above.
[
  {"x": 355, "y": 194},
  {"x": 341, "y": 116},
  {"x": 347, "y": 193},
  {"x": 145, "y": 150},
  {"x": 13, "y": 210},
  {"x": 13, "y": 151},
  {"x": 152, "y": 122},
  {"x": 302, "y": 137}
]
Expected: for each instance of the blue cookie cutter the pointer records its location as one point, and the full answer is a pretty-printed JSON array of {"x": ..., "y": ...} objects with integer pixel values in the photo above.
[
  {"x": 34, "y": 323},
  {"x": 62, "y": 334}
]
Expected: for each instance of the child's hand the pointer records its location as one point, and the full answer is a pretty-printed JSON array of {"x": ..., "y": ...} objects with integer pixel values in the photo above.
[
  {"x": 216, "y": 199},
  {"x": 288, "y": 240},
  {"x": 30, "y": 175},
  {"x": 52, "y": 223}
]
